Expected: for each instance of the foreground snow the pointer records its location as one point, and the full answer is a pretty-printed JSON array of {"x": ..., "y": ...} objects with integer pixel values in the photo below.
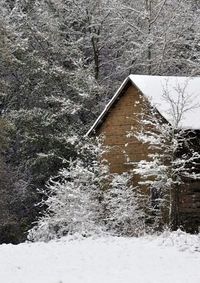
[{"x": 170, "y": 258}]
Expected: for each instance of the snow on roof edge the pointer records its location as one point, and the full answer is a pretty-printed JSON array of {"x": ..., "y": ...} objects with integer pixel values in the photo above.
[
  {"x": 108, "y": 106},
  {"x": 136, "y": 81}
]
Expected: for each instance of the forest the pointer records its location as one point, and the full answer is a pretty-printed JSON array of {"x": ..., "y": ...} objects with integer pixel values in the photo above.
[{"x": 61, "y": 61}]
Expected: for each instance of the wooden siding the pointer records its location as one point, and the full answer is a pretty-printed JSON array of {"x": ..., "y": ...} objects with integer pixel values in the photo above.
[
  {"x": 121, "y": 119},
  {"x": 189, "y": 206}
]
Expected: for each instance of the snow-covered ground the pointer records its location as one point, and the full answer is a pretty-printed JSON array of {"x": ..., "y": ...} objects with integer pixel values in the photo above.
[{"x": 170, "y": 258}]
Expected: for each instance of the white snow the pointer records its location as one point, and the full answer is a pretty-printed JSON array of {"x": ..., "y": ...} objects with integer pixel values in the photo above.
[
  {"x": 169, "y": 258},
  {"x": 153, "y": 88}
]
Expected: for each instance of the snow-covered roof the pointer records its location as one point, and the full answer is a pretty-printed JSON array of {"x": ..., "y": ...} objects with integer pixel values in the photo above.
[{"x": 182, "y": 92}]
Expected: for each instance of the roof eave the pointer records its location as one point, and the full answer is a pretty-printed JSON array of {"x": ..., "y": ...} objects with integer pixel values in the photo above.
[{"x": 99, "y": 120}]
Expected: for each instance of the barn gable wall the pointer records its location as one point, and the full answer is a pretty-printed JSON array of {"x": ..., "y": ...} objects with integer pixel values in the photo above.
[{"x": 121, "y": 118}]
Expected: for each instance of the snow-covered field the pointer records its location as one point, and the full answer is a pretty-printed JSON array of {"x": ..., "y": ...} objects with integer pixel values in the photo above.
[{"x": 170, "y": 258}]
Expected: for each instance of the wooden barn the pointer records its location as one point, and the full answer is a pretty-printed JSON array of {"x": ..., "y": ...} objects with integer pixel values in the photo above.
[{"x": 120, "y": 116}]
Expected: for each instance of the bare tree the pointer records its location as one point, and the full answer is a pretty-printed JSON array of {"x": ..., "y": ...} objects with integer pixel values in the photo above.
[
  {"x": 172, "y": 156},
  {"x": 161, "y": 36}
]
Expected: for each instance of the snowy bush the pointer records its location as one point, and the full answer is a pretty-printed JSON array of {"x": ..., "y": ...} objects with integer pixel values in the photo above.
[
  {"x": 123, "y": 213},
  {"x": 72, "y": 204},
  {"x": 86, "y": 199}
]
